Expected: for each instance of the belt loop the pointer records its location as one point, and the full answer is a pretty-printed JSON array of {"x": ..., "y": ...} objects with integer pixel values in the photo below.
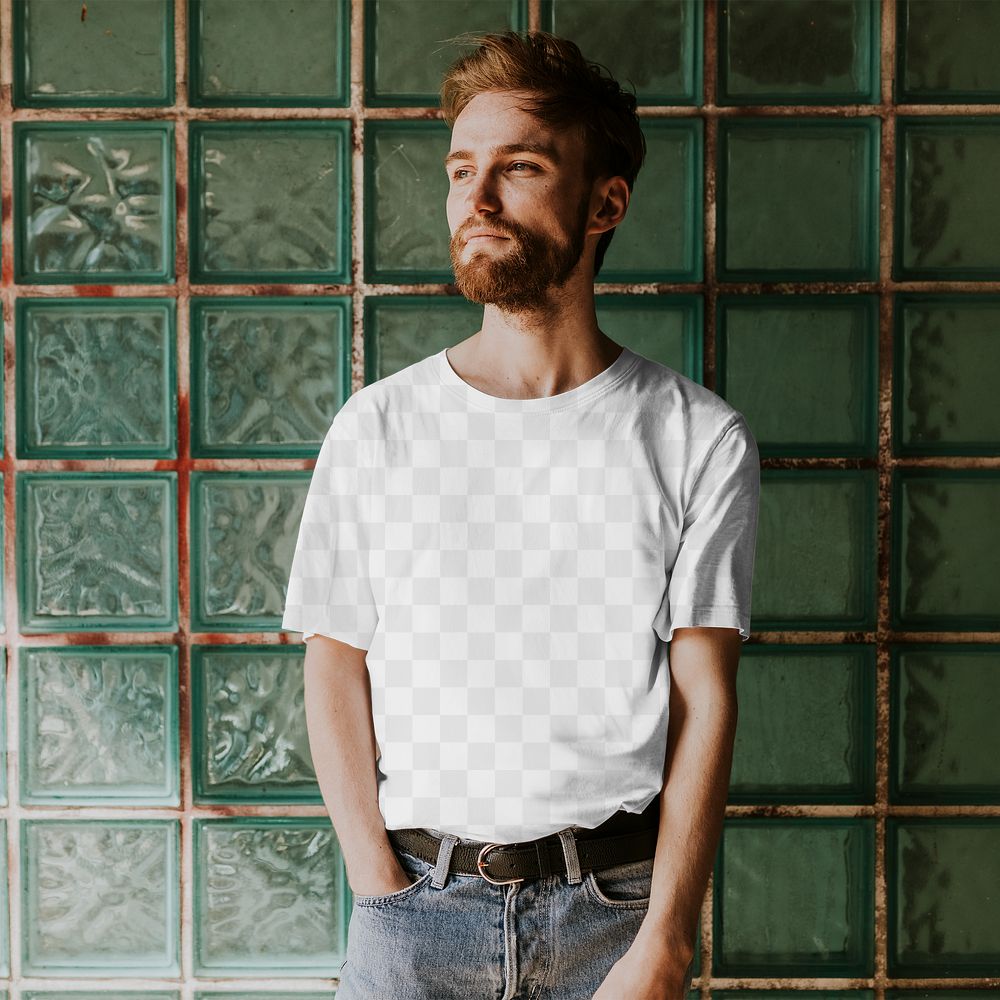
[
  {"x": 573, "y": 875},
  {"x": 448, "y": 842}
]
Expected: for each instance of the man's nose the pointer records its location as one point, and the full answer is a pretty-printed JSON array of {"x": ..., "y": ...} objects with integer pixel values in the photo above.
[{"x": 483, "y": 195}]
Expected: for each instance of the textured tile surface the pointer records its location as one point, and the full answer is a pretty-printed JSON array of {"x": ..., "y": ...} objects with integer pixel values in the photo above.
[
  {"x": 250, "y": 741},
  {"x": 95, "y": 202},
  {"x": 100, "y": 897},
  {"x": 268, "y": 897},
  {"x": 100, "y": 550},
  {"x": 268, "y": 374},
  {"x": 99, "y": 724},
  {"x": 96, "y": 378}
]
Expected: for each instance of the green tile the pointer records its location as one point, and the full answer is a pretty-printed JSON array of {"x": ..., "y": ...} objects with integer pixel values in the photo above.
[
  {"x": 806, "y": 730},
  {"x": 665, "y": 328},
  {"x": 406, "y": 187},
  {"x": 943, "y": 904},
  {"x": 946, "y": 51},
  {"x": 794, "y": 897},
  {"x": 660, "y": 238},
  {"x": 803, "y": 370},
  {"x": 947, "y": 201},
  {"x": 248, "y": 726},
  {"x": 406, "y": 50},
  {"x": 98, "y": 551},
  {"x": 126, "y": 920},
  {"x": 96, "y": 378},
  {"x": 3, "y": 718},
  {"x": 101, "y": 995},
  {"x": 799, "y": 52},
  {"x": 268, "y": 373},
  {"x": 270, "y": 897},
  {"x": 821, "y": 221},
  {"x": 943, "y": 572},
  {"x": 120, "y": 54},
  {"x": 236, "y": 57},
  {"x": 269, "y": 201},
  {"x": 939, "y": 994},
  {"x": 5, "y": 946},
  {"x": 776, "y": 994},
  {"x": 944, "y": 701},
  {"x": 99, "y": 725},
  {"x": 94, "y": 202},
  {"x": 403, "y": 329},
  {"x": 815, "y": 561},
  {"x": 947, "y": 359},
  {"x": 650, "y": 46},
  {"x": 243, "y": 531}
]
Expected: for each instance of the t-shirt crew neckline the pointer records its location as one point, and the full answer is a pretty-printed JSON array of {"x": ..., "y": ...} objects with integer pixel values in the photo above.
[{"x": 540, "y": 404}]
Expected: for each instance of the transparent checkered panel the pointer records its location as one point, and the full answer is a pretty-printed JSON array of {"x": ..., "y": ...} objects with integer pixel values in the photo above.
[
  {"x": 268, "y": 201},
  {"x": 944, "y": 703},
  {"x": 945, "y": 51},
  {"x": 100, "y": 897},
  {"x": 268, "y": 374},
  {"x": 94, "y": 202},
  {"x": 947, "y": 205},
  {"x": 815, "y": 560},
  {"x": 237, "y": 57},
  {"x": 406, "y": 50},
  {"x": 97, "y": 551},
  {"x": 244, "y": 528},
  {"x": 821, "y": 221},
  {"x": 803, "y": 370},
  {"x": 799, "y": 52},
  {"x": 406, "y": 184},
  {"x": 943, "y": 904},
  {"x": 947, "y": 358},
  {"x": 120, "y": 53},
  {"x": 794, "y": 897},
  {"x": 403, "y": 329},
  {"x": 654, "y": 48},
  {"x": 270, "y": 898},
  {"x": 96, "y": 378},
  {"x": 943, "y": 572},
  {"x": 99, "y": 724},
  {"x": 666, "y": 328},
  {"x": 806, "y": 731},
  {"x": 249, "y": 739}
]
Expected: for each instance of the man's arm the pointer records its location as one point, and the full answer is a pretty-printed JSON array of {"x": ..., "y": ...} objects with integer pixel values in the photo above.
[
  {"x": 342, "y": 742},
  {"x": 697, "y": 768}
]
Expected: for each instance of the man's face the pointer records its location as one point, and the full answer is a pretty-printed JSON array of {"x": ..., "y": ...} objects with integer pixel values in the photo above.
[{"x": 518, "y": 203}]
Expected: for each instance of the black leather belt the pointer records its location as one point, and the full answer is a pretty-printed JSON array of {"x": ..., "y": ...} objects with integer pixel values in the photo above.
[{"x": 621, "y": 838}]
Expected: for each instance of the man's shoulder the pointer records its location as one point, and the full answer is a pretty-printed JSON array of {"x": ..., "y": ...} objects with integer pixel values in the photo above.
[{"x": 687, "y": 405}]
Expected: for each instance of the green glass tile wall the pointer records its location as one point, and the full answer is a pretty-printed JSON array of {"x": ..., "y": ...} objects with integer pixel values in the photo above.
[{"x": 221, "y": 217}]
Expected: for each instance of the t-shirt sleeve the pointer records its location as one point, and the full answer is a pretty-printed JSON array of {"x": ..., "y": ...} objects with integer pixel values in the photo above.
[
  {"x": 710, "y": 582},
  {"x": 329, "y": 587}
]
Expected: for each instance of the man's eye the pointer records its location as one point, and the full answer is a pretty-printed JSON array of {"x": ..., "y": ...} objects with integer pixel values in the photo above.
[
  {"x": 460, "y": 173},
  {"x": 527, "y": 166}
]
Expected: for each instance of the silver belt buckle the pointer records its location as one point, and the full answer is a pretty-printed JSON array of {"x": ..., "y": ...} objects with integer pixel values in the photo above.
[{"x": 481, "y": 865}]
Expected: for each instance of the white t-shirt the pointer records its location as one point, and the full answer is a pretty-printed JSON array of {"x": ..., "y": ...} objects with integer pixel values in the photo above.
[{"x": 514, "y": 568}]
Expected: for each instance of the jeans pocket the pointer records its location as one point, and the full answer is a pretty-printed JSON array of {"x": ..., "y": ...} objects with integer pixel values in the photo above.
[
  {"x": 420, "y": 873},
  {"x": 627, "y": 886}
]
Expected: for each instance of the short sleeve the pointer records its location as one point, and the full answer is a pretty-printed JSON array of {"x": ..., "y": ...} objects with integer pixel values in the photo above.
[
  {"x": 710, "y": 582},
  {"x": 329, "y": 587}
]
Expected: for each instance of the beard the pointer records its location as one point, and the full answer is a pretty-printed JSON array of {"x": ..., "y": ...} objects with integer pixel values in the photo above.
[{"x": 520, "y": 276}]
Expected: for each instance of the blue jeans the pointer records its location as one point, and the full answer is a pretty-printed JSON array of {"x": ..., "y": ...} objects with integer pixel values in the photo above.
[{"x": 448, "y": 936}]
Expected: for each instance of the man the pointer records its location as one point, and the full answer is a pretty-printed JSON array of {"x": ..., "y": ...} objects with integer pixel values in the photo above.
[{"x": 497, "y": 545}]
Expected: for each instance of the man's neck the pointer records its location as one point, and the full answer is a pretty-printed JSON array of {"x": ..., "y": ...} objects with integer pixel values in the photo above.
[{"x": 538, "y": 352}]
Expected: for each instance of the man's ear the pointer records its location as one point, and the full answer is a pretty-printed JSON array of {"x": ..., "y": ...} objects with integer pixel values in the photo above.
[{"x": 611, "y": 196}]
